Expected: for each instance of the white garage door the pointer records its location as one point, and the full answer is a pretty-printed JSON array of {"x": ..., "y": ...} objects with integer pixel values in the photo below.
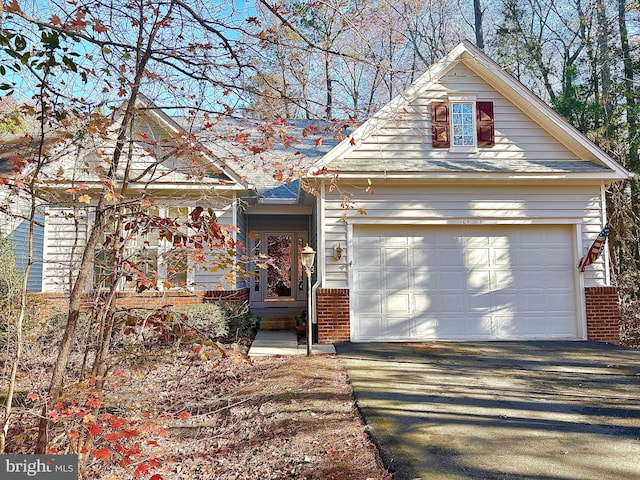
[{"x": 495, "y": 282}]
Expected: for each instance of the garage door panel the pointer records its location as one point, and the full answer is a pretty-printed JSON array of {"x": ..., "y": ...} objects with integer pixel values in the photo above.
[
  {"x": 399, "y": 327},
  {"x": 485, "y": 282},
  {"x": 555, "y": 302},
  {"x": 504, "y": 279},
  {"x": 369, "y": 327},
  {"x": 422, "y": 256},
  {"x": 370, "y": 280},
  {"x": 449, "y": 257},
  {"x": 397, "y": 280},
  {"x": 423, "y": 304},
  {"x": 449, "y": 303},
  {"x": 450, "y": 278},
  {"x": 557, "y": 279},
  {"x": 373, "y": 256},
  {"x": 366, "y": 304},
  {"x": 422, "y": 279},
  {"x": 477, "y": 257},
  {"x": 395, "y": 303},
  {"x": 396, "y": 258},
  {"x": 504, "y": 326},
  {"x": 532, "y": 278},
  {"x": 427, "y": 327},
  {"x": 479, "y": 281}
]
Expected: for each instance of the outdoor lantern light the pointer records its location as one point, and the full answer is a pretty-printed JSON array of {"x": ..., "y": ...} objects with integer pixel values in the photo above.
[
  {"x": 308, "y": 255},
  {"x": 337, "y": 252}
]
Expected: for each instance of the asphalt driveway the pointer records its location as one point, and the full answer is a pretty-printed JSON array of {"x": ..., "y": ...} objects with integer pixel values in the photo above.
[{"x": 500, "y": 410}]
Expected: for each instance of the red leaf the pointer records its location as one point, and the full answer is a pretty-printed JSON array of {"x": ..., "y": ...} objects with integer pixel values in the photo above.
[
  {"x": 130, "y": 433},
  {"x": 157, "y": 476},
  {"x": 95, "y": 429},
  {"x": 33, "y": 396},
  {"x": 102, "y": 453},
  {"x": 142, "y": 469},
  {"x": 242, "y": 137},
  {"x": 184, "y": 415},
  {"x": 111, "y": 437},
  {"x": 12, "y": 7},
  {"x": 93, "y": 403}
]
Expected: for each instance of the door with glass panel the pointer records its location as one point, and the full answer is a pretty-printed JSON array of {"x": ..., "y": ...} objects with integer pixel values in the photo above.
[{"x": 277, "y": 276}]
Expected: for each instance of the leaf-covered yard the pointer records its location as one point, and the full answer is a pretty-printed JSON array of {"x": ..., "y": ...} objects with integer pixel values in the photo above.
[{"x": 186, "y": 411}]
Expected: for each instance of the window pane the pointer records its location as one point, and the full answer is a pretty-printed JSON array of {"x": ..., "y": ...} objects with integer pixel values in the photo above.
[{"x": 463, "y": 124}]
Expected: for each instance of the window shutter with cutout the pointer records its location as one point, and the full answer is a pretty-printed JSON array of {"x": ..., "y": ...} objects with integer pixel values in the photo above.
[
  {"x": 484, "y": 124},
  {"x": 440, "y": 124}
]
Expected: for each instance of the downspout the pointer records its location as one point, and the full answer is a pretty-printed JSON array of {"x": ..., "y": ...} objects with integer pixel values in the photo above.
[
  {"x": 603, "y": 202},
  {"x": 320, "y": 255}
]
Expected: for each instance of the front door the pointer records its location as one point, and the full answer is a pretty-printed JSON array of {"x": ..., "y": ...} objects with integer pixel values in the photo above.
[{"x": 278, "y": 281}]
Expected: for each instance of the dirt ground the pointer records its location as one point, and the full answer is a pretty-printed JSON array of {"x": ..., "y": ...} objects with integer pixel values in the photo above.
[{"x": 201, "y": 415}]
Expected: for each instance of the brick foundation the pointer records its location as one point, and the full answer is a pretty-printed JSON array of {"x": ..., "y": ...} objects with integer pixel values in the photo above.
[
  {"x": 332, "y": 309},
  {"x": 603, "y": 314},
  {"x": 49, "y": 304}
]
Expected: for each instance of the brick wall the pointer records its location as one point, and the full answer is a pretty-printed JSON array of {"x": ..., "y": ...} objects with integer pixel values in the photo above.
[
  {"x": 49, "y": 304},
  {"x": 603, "y": 314},
  {"x": 332, "y": 309}
]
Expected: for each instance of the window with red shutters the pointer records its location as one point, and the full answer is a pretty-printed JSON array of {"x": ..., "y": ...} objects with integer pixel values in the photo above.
[{"x": 441, "y": 124}]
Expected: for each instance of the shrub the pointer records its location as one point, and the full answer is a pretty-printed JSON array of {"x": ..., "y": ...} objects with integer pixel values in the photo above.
[
  {"x": 10, "y": 288},
  {"x": 207, "y": 318}
]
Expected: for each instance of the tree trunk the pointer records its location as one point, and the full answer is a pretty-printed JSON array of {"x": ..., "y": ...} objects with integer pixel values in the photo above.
[
  {"x": 85, "y": 270},
  {"x": 477, "y": 15},
  {"x": 633, "y": 162}
]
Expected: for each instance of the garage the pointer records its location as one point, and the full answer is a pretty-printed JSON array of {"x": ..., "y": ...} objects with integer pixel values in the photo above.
[{"x": 413, "y": 283}]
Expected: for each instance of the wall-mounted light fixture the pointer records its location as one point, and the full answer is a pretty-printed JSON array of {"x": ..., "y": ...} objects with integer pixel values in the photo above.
[{"x": 337, "y": 252}]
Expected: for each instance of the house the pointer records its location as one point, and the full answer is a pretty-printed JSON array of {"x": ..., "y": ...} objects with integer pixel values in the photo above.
[
  {"x": 484, "y": 201},
  {"x": 459, "y": 211}
]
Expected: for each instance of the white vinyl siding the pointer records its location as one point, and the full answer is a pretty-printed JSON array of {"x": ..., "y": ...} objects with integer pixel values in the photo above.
[
  {"x": 60, "y": 242},
  {"x": 412, "y": 203},
  {"x": 208, "y": 275},
  {"x": 65, "y": 235},
  {"x": 408, "y": 134}
]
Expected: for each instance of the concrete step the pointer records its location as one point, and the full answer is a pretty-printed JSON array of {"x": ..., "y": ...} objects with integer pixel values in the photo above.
[{"x": 278, "y": 323}]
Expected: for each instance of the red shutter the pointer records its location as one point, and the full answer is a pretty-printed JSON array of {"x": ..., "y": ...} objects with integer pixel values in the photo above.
[
  {"x": 485, "y": 128},
  {"x": 440, "y": 124}
]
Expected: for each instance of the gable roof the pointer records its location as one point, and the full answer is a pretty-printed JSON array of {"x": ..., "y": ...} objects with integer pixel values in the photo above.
[
  {"x": 590, "y": 161},
  {"x": 165, "y": 156}
]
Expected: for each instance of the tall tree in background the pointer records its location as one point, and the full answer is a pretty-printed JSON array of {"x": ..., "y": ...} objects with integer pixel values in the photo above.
[{"x": 478, "y": 13}]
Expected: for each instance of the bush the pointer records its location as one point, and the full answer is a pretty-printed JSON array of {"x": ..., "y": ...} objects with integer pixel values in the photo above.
[
  {"x": 225, "y": 320},
  {"x": 207, "y": 318},
  {"x": 10, "y": 289}
]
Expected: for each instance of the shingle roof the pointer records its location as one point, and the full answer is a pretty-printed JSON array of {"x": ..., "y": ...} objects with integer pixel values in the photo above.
[
  {"x": 461, "y": 166},
  {"x": 271, "y": 155}
]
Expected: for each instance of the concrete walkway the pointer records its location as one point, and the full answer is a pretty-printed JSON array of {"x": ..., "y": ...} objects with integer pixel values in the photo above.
[{"x": 283, "y": 342}]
